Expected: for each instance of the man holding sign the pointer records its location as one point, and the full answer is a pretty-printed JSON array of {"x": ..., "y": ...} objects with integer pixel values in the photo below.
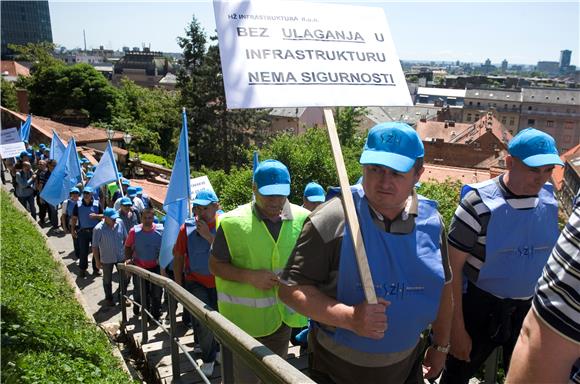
[{"x": 354, "y": 341}]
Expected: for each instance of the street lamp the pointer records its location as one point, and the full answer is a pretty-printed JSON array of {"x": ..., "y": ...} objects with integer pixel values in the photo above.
[
  {"x": 110, "y": 134},
  {"x": 127, "y": 138}
]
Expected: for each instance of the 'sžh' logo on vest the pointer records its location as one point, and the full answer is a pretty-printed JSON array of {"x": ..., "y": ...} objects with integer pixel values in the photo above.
[
  {"x": 390, "y": 138},
  {"x": 398, "y": 290},
  {"x": 526, "y": 251}
]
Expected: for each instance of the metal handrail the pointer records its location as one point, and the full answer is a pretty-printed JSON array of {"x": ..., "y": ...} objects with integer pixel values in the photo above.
[{"x": 267, "y": 365}]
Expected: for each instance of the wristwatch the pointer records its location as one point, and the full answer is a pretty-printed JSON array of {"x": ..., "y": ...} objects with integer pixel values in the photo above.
[{"x": 441, "y": 349}]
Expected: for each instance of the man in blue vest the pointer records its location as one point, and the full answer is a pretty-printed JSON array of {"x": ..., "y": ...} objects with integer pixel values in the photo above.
[
  {"x": 191, "y": 263},
  {"x": 108, "y": 239},
  {"x": 142, "y": 249},
  {"x": 351, "y": 340},
  {"x": 65, "y": 219},
  {"x": 501, "y": 236},
  {"x": 86, "y": 215}
]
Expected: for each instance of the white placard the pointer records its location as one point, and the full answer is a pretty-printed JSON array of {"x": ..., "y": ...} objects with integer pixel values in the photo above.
[
  {"x": 199, "y": 183},
  {"x": 298, "y": 54},
  {"x": 11, "y": 144}
]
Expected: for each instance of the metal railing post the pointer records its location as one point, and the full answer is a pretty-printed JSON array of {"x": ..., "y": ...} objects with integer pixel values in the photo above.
[
  {"x": 142, "y": 292},
  {"x": 171, "y": 310},
  {"x": 123, "y": 289},
  {"x": 227, "y": 364}
]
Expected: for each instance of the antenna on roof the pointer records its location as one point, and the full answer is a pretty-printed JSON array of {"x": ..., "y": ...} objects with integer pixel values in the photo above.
[{"x": 85, "y": 39}]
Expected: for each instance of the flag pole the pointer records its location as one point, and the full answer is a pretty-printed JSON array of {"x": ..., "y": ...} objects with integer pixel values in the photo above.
[
  {"x": 188, "y": 176},
  {"x": 116, "y": 170}
]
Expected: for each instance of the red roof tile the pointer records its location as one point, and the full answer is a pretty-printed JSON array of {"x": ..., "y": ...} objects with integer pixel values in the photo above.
[
  {"x": 464, "y": 175},
  {"x": 558, "y": 173},
  {"x": 12, "y": 68},
  {"x": 430, "y": 130}
]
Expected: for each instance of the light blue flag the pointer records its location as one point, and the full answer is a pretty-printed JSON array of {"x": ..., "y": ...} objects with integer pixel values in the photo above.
[
  {"x": 25, "y": 129},
  {"x": 176, "y": 204},
  {"x": 57, "y": 147},
  {"x": 106, "y": 171},
  {"x": 65, "y": 175}
]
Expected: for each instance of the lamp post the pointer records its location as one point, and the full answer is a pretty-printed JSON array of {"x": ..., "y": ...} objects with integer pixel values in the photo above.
[
  {"x": 127, "y": 139},
  {"x": 110, "y": 134}
]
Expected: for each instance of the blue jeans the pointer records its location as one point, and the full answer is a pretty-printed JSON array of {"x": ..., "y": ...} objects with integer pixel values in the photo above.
[
  {"x": 108, "y": 279},
  {"x": 85, "y": 239},
  {"x": 202, "y": 333},
  {"x": 28, "y": 203}
]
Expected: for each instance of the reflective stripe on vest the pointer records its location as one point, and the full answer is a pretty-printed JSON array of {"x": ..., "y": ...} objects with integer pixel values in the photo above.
[
  {"x": 197, "y": 250},
  {"x": 518, "y": 241},
  {"x": 407, "y": 270},
  {"x": 85, "y": 221},
  {"x": 147, "y": 246},
  {"x": 251, "y": 246}
]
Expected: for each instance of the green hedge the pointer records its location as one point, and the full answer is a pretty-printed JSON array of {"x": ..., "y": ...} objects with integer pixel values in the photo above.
[{"x": 46, "y": 337}]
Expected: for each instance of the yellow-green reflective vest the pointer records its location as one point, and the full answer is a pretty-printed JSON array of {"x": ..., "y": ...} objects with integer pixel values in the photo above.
[{"x": 257, "y": 312}]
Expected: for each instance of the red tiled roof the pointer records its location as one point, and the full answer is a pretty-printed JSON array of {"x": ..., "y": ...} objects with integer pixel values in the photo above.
[
  {"x": 441, "y": 173},
  {"x": 156, "y": 191},
  {"x": 82, "y": 135},
  {"x": 480, "y": 127},
  {"x": 429, "y": 130},
  {"x": 558, "y": 173},
  {"x": 12, "y": 68}
]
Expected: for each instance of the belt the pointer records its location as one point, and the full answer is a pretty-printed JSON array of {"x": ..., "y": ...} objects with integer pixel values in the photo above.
[{"x": 85, "y": 230}]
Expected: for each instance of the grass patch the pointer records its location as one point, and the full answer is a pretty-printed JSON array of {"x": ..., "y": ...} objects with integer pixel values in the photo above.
[{"x": 46, "y": 337}]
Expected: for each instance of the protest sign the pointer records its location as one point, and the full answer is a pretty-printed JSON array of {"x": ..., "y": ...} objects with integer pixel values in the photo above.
[
  {"x": 297, "y": 54},
  {"x": 11, "y": 144},
  {"x": 199, "y": 183}
]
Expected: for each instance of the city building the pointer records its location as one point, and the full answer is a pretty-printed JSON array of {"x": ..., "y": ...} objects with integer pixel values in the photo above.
[
  {"x": 565, "y": 56},
  {"x": 554, "y": 111},
  {"x": 567, "y": 179},
  {"x": 295, "y": 120},
  {"x": 548, "y": 67},
  {"x": 24, "y": 22},
  {"x": 440, "y": 97},
  {"x": 146, "y": 68},
  {"x": 504, "y": 66},
  {"x": 505, "y": 104}
]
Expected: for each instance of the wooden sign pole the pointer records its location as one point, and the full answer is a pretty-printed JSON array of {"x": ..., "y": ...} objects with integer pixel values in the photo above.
[{"x": 350, "y": 212}]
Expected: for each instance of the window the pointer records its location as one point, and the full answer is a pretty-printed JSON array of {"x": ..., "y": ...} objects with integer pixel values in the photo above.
[
  {"x": 478, "y": 103},
  {"x": 476, "y": 117},
  {"x": 512, "y": 121},
  {"x": 529, "y": 108},
  {"x": 549, "y": 123},
  {"x": 468, "y": 117},
  {"x": 567, "y": 138},
  {"x": 503, "y": 119},
  {"x": 471, "y": 103},
  {"x": 531, "y": 122},
  {"x": 568, "y": 125}
]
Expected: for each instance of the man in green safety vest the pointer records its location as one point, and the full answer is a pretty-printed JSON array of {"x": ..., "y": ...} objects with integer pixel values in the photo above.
[{"x": 251, "y": 247}]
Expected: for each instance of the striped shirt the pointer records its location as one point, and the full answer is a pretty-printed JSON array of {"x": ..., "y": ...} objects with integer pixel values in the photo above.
[
  {"x": 557, "y": 299},
  {"x": 468, "y": 228},
  {"x": 110, "y": 241}
]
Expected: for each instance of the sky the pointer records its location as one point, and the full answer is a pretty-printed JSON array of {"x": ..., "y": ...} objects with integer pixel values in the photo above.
[{"x": 523, "y": 32}]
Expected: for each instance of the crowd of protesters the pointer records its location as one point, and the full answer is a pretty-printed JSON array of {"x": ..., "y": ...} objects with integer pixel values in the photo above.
[{"x": 282, "y": 272}]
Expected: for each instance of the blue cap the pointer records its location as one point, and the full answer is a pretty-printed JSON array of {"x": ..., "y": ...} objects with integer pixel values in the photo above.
[
  {"x": 534, "y": 148},
  {"x": 42, "y": 146},
  {"x": 120, "y": 175},
  {"x": 126, "y": 201},
  {"x": 132, "y": 191},
  {"x": 90, "y": 174},
  {"x": 314, "y": 192},
  {"x": 125, "y": 182},
  {"x": 84, "y": 160},
  {"x": 24, "y": 153},
  {"x": 395, "y": 145},
  {"x": 272, "y": 178},
  {"x": 74, "y": 190},
  {"x": 93, "y": 168},
  {"x": 87, "y": 189},
  {"x": 111, "y": 213},
  {"x": 139, "y": 189},
  {"x": 204, "y": 198}
]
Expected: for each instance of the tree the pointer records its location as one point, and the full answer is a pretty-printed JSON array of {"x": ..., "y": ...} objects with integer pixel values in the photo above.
[
  {"x": 347, "y": 121},
  {"x": 8, "y": 95},
  {"x": 40, "y": 54},
  {"x": 218, "y": 137},
  {"x": 55, "y": 87}
]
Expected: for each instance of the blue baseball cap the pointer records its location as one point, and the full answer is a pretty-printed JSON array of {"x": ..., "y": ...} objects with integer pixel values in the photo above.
[
  {"x": 42, "y": 146},
  {"x": 87, "y": 190},
  {"x": 204, "y": 198},
  {"x": 132, "y": 191},
  {"x": 139, "y": 189},
  {"x": 395, "y": 145},
  {"x": 84, "y": 160},
  {"x": 126, "y": 201},
  {"x": 24, "y": 153},
  {"x": 272, "y": 178},
  {"x": 125, "y": 182},
  {"x": 111, "y": 213},
  {"x": 90, "y": 174},
  {"x": 120, "y": 175},
  {"x": 314, "y": 192},
  {"x": 534, "y": 148},
  {"x": 74, "y": 190}
]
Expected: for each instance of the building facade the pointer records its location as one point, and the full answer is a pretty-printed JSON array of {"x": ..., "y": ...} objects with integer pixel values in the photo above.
[
  {"x": 24, "y": 22},
  {"x": 505, "y": 104}
]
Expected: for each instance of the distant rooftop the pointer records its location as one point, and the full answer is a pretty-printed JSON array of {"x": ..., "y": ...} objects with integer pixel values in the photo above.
[{"x": 446, "y": 92}]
